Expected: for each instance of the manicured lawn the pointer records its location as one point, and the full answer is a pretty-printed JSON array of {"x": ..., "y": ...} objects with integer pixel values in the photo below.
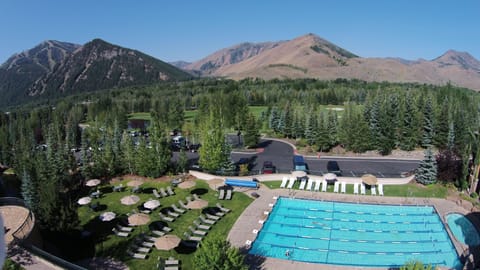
[
  {"x": 108, "y": 244},
  {"x": 408, "y": 190},
  {"x": 140, "y": 116}
]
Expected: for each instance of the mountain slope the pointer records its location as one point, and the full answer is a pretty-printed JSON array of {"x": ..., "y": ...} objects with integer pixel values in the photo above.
[
  {"x": 310, "y": 56},
  {"x": 23, "y": 69},
  {"x": 101, "y": 65},
  {"x": 229, "y": 56}
]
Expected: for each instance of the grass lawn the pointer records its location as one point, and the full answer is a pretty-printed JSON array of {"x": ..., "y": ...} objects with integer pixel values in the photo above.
[
  {"x": 407, "y": 190},
  {"x": 140, "y": 116},
  {"x": 108, "y": 244}
]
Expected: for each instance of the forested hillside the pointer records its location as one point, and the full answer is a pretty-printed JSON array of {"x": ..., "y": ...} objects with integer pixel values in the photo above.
[{"x": 39, "y": 140}]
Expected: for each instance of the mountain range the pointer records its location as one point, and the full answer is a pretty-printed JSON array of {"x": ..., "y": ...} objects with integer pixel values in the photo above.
[
  {"x": 310, "y": 56},
  {"x": 52, "y": 68},
  {"x": 55, "y": 68}
]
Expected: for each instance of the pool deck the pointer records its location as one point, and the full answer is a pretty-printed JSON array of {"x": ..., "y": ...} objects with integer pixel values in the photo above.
[{"x": 249, "y": 222}]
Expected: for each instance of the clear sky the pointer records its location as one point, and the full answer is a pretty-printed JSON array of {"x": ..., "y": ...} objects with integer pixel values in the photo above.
[{"x": 189, "y": 30}]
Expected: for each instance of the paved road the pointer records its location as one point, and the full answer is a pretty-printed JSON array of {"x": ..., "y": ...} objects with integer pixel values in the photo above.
[{"x": 281, "y": 155}]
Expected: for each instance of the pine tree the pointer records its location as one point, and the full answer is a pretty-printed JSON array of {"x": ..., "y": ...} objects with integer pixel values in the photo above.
[
  {"x": 273, "y": 121},
  {"x": 332, "y": 128},
  {"x": 252, "y": 134},
  {"x": 440, "y": 139},
  {"x": 311, "y": 127},
  {"x": 427, "y": 170},
  {"x": 409, "y": 125},
  {"x": 428, "y": 124}
]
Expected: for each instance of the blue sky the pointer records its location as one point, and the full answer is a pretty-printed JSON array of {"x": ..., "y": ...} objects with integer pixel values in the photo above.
[{"x": 190, "y": 30}]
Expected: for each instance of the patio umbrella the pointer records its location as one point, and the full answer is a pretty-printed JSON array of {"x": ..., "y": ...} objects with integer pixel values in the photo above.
[
  {"x": 186, "y": 184},
  {"x": 93, "y": 182},
  {"x": 138, "y": 219},
  {"x": 197, "y": 204},
  {"x": 107, "y": 216},
  {"x": 84, "y": 200},
  {"x": 330, "y": 177},
  {"x": 134, "y": 183},
  {"x": 167, "y": 242},
  {"x": 151, "y": 204},
  {"x": 299, "y": 174},
  {"x": 129, "y": 200},
  {"x": 369, "y": 179}
]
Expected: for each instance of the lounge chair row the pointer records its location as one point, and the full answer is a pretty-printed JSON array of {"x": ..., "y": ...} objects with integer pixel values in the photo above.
[
  {"x": 373, "y": 189},
  {"x": 122, "y": 231},
  {"x": 141, "y": 246},
  {"x": 204, "y": 223},
  {"x": 225, "y": 195},
  {"x": 163, "y": 192}
]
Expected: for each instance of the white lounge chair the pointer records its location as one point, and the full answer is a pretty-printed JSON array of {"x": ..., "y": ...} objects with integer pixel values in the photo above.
[
  {"x": 197, "y": 232},
  {"x": 195, "y": 197},
  {"x": 324, "y": 186},
  {"x": 137, "y": 255},
  {"x": 203, "y": 219},
  {"x": 183, "y": 205},
  {"x": 170, "y": 191},
  {"x": 343, "y": 188},
  {"x": 302, "y": 184},
  {"x": 155, "y": 193},
  {"x": 173, "y": 214},
  {"x": 140, "y": 249},
  {"x": 291, "y": 182},
  {"x": 355, "y": 188},
  {"x": 192, "y": 238},
  {"x": 221, "y": 194},
  {"x": 213, "y": 217},
  {"x": 284, "y": 182},
  {"x": 362, "y": 189},
  {"x": 158, "y": 233},
  {"x": 176, "y": 209},
  {"x": 201, "y": 226},
  {"x": 119, "y": 233},
  {"x": 223, "y": 209},
  {"x": 163, "y": 192},
  {"x": 373, "y": 189},
  {"x": 380, "y": 189},
  {"x": 229, "y": 194},
  {"x": 309, "y": 184},
  {"x": 124, "y": 228},
  {"x": 317, "y": 185},
  {"x": 165, "y": 218},
  {"x": 336, "y": 187}
]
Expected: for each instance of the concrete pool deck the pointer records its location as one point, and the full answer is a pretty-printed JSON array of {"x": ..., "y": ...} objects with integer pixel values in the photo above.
[{"x": 247, "y": 225}]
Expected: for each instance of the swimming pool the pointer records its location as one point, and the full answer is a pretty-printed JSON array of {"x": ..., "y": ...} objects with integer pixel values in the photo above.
[
  {"x": 463, "y": 229},
  {"x": 354, "y": 234}
]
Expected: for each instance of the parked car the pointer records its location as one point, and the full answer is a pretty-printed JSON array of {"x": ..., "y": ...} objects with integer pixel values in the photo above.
[
  {"x": 332, "y": 167},
  {"x": 268, "y": 167}
]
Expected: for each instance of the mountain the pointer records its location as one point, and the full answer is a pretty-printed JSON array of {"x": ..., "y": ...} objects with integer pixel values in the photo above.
[
  {"x": 310, "y": 56},
  {"x": 235, "y": 54},
  {"x": 21, "y": 70},
  {"x": 101, "y": 65}
]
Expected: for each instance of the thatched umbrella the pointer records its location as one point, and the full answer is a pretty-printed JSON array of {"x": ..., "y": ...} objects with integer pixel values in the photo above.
[
  {"x": 93, "y": 182},
  {"x": 129, "y": 200},
  {"x": 84, "y": 200},
  {"x": 369, "y": 179},
  {"x": 138, "y": 219},
  {"x": 107, "y": 216},
  {"x": 151, "y": 204},
  {"x": 186, "y": 184},
  {"x": 197, "y": 204},
  {"x": 134, "y": 183},
  {"x": 167, "y": 242}
]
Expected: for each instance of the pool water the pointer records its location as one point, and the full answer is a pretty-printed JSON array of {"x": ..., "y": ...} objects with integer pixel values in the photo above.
[
  {"x": 354, "y": 234},
  {"x": 463, "y": 229}
]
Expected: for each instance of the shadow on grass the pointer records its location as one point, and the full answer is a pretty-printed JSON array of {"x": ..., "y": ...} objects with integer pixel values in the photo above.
[
  {"x": 186, "y": 247},
  {"x": 106, "y": 190},
  {"x": 199, "y": 191},
  {"x": 148, "y": 190}
]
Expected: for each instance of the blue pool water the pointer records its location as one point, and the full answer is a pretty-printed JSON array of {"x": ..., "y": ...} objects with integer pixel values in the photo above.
[
  {"x": 463, "y": 229},
  {"x": 354, "y": 234}
]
